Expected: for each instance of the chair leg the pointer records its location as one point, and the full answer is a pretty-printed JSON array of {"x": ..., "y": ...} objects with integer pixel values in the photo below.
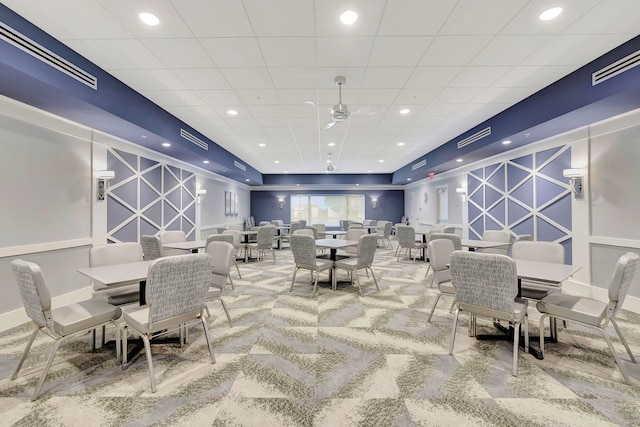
[
  {"x": 206, "y": 307},
  {"x": 295, "y": 271},
  {"x": 373, "y": 275},
  {"x": 516, "y": 345},
  {"x": 25, "y": 352},
  {"x": 355, "y": 273},
  {"x": 231, "y": 282},
  {"x": 147, "y": 350},
  {"x": 624, "y": 341},
  {"x": 224, "y": 307},
  {"x": 118, "y": 343},
  {"x": 526, "y": 333},
  {"x": 427, "y": 273},
  {"x": 433, "y": 307},
  {"x": 52, "y": 356},
  {"x": 453, "y": 330},
  {"x": 615, "y": 356},
  {"x": 208, "y": 338},
  {"x": 273, "y": 253},
  {"x": 542, "y": 333},
  {"x": 315, "y": 284},
  {"x": 238, "y": 269}
]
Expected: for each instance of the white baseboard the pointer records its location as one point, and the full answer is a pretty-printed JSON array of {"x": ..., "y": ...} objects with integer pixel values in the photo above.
[
  {"x": 577, "y": 288},
  {"x": 18, "y": 317}
]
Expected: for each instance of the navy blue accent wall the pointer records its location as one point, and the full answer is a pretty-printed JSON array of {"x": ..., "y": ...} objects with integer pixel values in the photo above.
[
  {"x": 327, "y": 179},
  {"x": 113, "y": 108},
  {"x": 390, "y": 207}
]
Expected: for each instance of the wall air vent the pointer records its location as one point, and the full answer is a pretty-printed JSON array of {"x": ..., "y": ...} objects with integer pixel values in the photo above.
[
  {"x": 239, "y": 165},
  {"x": 616, "y": 68},
  {"x": 473, "y": 138},
  {"x": 27, "y": 45},
  {"x": 194, "y": 139},
  {"x": 419, "y": 164}
]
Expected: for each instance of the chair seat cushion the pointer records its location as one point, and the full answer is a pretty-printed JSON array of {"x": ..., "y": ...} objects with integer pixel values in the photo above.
[
  {"x": 83, "y": 315},
  {"x": 518, "y": 313},
  {"x": 573, "y": 307},
  {"x": 213, "y": 292},
  {"x": 447, "y": 288},
  {"x": 349, "y": 264}
]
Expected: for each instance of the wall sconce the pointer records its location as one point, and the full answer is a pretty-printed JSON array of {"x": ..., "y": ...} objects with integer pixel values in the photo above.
[
  {"x": 103, "y": 177},
  {"x": 200, "y": 192},
  {"x": 462, "y": 194},
  {"x": 374, "y": 202},
  {"x": 280, "y": 202},
  {"x": 575, "y": 180}
]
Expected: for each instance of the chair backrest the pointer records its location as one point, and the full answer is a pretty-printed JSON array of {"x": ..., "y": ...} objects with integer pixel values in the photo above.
[
  {"x": 265, "y": 235},
  {"x": 523, "y": 238},
  {"x": 151, "y": 247},
  {"x": 263, "y": 223},
  {"x": 177, "y": 286},
  {"x": 484, "y": 280},
  {"x": 305, "y": 232},
  {"x": 497, "y": 236},
  {"x": 320, "y": 228},
  {"x": 403, "y": 220},
  {"x": 303, "y": 222},
  {"x": 236, "y": 237},
  {"x": 303, "y": 248},
  {"x": 277, "y": 222},
  {"x": 438, "y": 227},
  {"x": 454, "y": 238},
  {"x": 220, "y": 238},
  {"x": 252, "y": 221},
  {"x": 344, "y": 224},
  {"x": 406, "y": 236},
  {"x": 387, "y": 228},
  {"x": 449, "y": 229},
  {"x": 367, "y": 249},
  {"x": 621, "y": 281},
  {"x": 538, "y": 251},
  {"x": 172, "y": 236},
  {"x": 296, "y": 225},
  {"x": 34, "y": 292},
  {"x": 355, "y": 234},
  {"x": 369, "y": 222},
  {"x": 313, "y": 229},
  {"x": 222, "y": 256},
  {"x": 115, "y": 253},
  {"x": 355, "y": 224},
  {"x": 440, "y": 251}
]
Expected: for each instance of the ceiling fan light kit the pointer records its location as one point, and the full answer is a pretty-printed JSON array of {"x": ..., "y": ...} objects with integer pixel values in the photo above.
[{"x": 340, "y": 111}]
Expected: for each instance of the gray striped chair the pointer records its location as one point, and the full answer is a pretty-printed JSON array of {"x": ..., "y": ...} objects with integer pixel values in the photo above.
[
  {"x": 303, "y": 248},
  {"x": 229, "y": 238},
  {"x": 366, "y": 253}
]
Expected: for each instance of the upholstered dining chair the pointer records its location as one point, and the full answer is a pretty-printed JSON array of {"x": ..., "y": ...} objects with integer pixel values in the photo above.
[
  {"x": 176, "y": 289},
  {"x": 440, "y": 251},
  {"x": 116, "y": 253},
  {"x": 383, "y": 233},
  {"x": 229, "y": 238},
  {"x": 593, "y": 313},
  {"x": 264, "y": 242},
  {"x": 454, "y": 238},
  {"x": 543, "y": 252},
  {"x": 237, "y": 245},
  {"x": 304, "y": 251},
  {"x": 502, "y": 236},
  {"x": 407, "y": 240},
  {"x": 366, "y": 251},
  {"x": 151, "y": 247},
  {"x": 321, "y": 230},
  {"x": 223, "y": 256},
  {"x": 59, "y": 323},
  {"x": 172, "y": 236},
  {"x": 354, "y": 234},
  {"x": 487, "y": 285}
]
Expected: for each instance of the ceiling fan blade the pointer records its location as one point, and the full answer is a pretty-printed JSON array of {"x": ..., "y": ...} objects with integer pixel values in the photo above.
[
  {"x": 306, "y": 101},
  {"x": 329, "y": 125}
]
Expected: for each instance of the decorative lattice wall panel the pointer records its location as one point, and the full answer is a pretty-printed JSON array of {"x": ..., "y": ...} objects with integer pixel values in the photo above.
[
  {"x": 146, "y": 197},
  {"x": 527, "y": 195}
]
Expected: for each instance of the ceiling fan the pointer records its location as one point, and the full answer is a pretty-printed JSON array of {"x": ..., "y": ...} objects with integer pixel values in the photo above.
[
  {"x": 330, "y": 166},
  {"x": 340, "y": 111}
]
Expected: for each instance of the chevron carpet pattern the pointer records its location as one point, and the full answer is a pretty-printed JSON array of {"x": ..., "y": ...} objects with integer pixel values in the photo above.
[{"x": 340, "y": 359}]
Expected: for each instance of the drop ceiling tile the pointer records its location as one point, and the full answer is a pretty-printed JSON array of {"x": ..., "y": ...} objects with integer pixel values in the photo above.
[
  {"x": 117, "y": 54},
  {"x": 568, "y": 49},
  {"x": 248, "y": 78},
  {"x": 173, "y": 97},
  {"x": 618, "y": 16},
  {"x": 502, "y": 95},
  {"x": 527, "y": 21},
  {"x": 532, "y": 76},
  {"x": 288, "y": 51},
  {"x": 456, "y": 95},
  {"x": 414, "y": 17},
  {"x": 416, "y": 96},
  {"x": 258, "y": 96},
  {"x": 214, "y": 18},
  {"x": 297, "y": 96},
  {"x": 474, "y": 17},
  {"x": 220, "y": 97},
  {"x": 240, "y": 121},
  {"x": 432, "y": 77},
  {"x": 179, "y": 53},
  {"x": 233, "y": 52},
  {"x": 281, "y": 17},
  {"x": 510, "y": 50},
  {"x": 272, "y": 122},
  {"x": 202, "y": 78},
  {"x": 478, "y": 76},
  {"x": 453, "y": 50},
  {"x": 377, "y": 97},
  {"x": 343, "y": 52},
  {"x": 386, "y": 77},
  {"x": 171, "y": 24},
  {"x": 400, "y": 51},
  {"x": 327, "y": 13},
  {"x": 163, "y": 79},
  {"x": 266, "y": 111}
]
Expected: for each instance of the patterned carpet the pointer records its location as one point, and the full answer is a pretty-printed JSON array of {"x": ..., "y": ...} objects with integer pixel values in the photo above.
[{"x": 338, "y": 360}]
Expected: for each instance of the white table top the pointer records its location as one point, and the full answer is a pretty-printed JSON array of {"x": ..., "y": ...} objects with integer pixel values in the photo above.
[
  {"x": 545, "y": 271},
  {"x": 118, "y": 273},
  {"x": 335, "y": 232},
  {"x": 483, "y": 244},
  {"x": 191, "y": 245},
  {"x": 335, "y": 243}
]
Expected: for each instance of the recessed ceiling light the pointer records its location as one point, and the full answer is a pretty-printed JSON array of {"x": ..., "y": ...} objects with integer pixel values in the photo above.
[
  {"x": 331, "y": 144},
  {"x": 276, "y": 161},
  {"x": 262, "y": 145},
  {"x": 507, "y": 142},
  {"x": 206, "y": 162},
  {"x": 348, "y": 17},
  {"x": 550, "y": 14},
  {"x": 380, "y": 161},
  {"x": 405, "y": 111},
  {"x": 149, "y": 18},
  {"x": 247, "y": 180},
  {"x": 166, "y": 144},
  {"x": 458, "y": 160},
  {"x": 400, "y": 144},
  {"x": 232, "y": 112},
  {"x": 408, "y": 179}
]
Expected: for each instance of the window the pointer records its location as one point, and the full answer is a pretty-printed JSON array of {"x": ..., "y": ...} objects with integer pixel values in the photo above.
[{"x": 327, "y": 209}]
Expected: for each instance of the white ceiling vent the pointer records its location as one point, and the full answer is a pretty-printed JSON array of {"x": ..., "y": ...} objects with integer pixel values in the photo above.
[
  {"x": 616, "y": 68},
  {"x": 194, "y": 139},
  {"x": 239, "y": 165},
  {"x": 27, "y": 45},
  {"x": 419, "y": 164},
  {"x": 473, "y": 138}
]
